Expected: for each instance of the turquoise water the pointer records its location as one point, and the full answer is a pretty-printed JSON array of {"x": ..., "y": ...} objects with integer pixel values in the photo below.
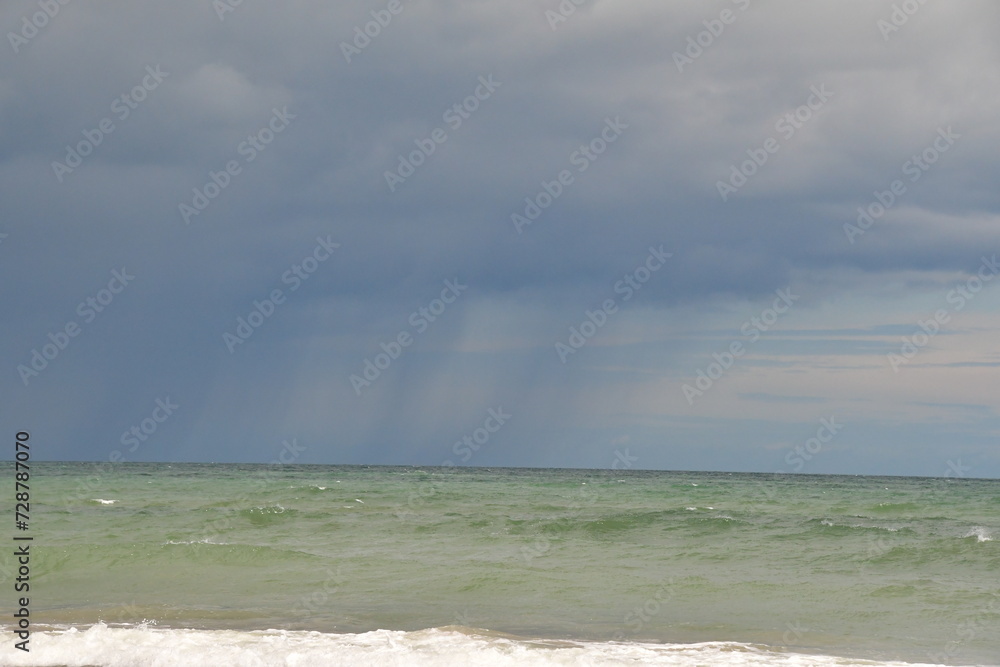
[{"x": 887, "y": 569}]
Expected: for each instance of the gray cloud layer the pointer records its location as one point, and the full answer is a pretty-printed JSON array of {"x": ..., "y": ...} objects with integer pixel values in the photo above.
[{"x": 879, "y": 97}]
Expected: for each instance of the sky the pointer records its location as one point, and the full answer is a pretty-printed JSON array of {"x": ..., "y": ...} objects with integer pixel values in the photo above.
[{"x": 739, "y": 235}]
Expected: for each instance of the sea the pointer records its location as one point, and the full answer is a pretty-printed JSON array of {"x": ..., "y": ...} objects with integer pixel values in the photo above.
[{"x": 309, "y": 565}]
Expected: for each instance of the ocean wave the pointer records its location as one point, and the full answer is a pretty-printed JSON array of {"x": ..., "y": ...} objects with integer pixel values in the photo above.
[
  {"x": 886, "y": 508},
  {"x": 981, "y": 534},
  {"x": 829, "y": 523},
  {"x": 144, "y": 645},
  {"x": 312, "y": 488},
  {"x": 208, "y": 551},
  {"x": 103, "y": 501},
  {"x": 164, "y": 555},
  {"x": 265, "y": 515},
  {"x": 591, "y": 524},
  {"x": 207, "y": 540},
  {"x": 629, "y": 521}
]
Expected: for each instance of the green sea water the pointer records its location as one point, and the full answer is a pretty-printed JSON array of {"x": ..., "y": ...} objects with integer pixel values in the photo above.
[{"x": 867, "y": 567}]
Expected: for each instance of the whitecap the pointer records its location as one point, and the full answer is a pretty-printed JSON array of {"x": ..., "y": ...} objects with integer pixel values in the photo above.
[
  {"x": 891, "y": 529},
  {"x": 980, "y": 533},
  {"x": 207, "y": 540},
  {"x": 103, "y": 501},
  {"x": 270, "y": 509}
]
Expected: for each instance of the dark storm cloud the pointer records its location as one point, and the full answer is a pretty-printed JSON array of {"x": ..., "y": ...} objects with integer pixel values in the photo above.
[{"x": 850, "y": 110}]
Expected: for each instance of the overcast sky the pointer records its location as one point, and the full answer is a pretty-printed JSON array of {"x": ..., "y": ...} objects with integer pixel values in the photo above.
[{"x": 740, "y": 235}]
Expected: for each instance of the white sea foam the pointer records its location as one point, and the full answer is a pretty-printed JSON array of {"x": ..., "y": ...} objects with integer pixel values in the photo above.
[
  {"x": 207, "y": 540},
  {"x": 890, "y": 529},
  {"x": 981, "y": 534},
  {"x": 127, "y": 647},
  {"x": 269, "y": 509},
  {"x": 103, "y": 501},
  {"x": 827, "y": 522}
]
